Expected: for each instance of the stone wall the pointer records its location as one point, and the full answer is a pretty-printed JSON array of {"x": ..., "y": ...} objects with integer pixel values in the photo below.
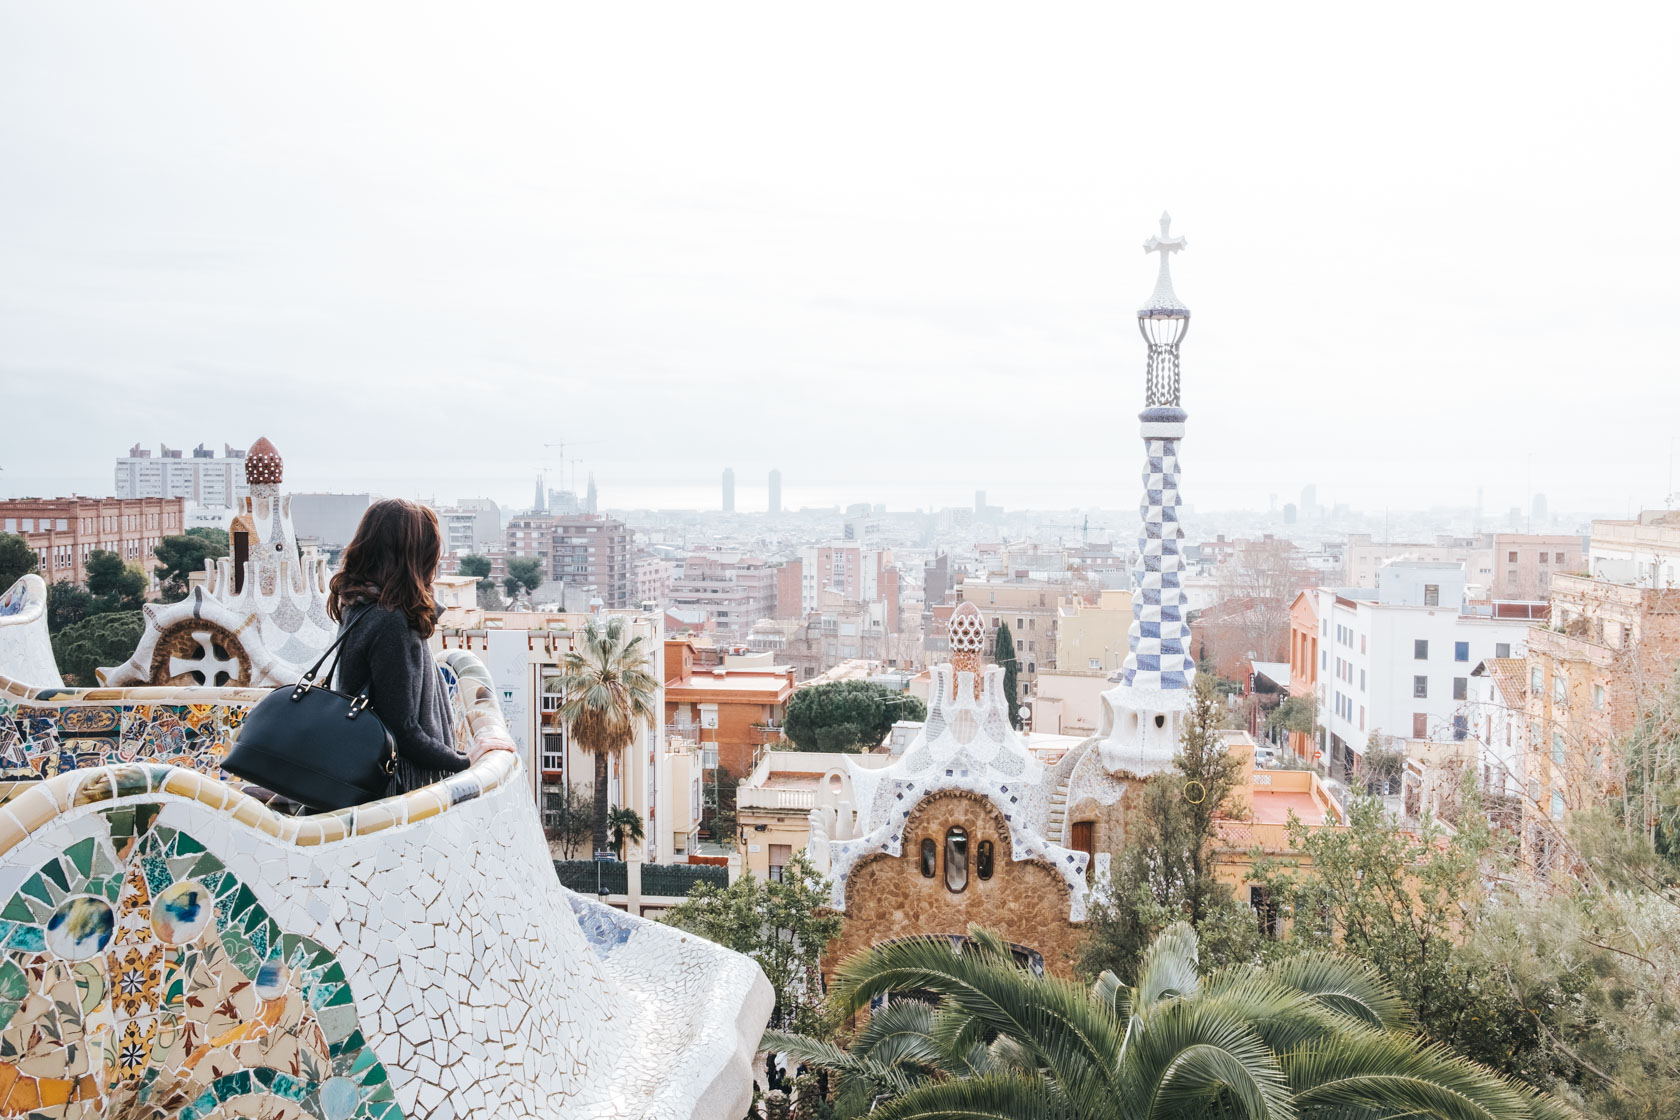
[{"x": 1026, "y": 902}]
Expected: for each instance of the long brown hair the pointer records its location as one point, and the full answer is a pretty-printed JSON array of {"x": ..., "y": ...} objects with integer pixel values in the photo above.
[{"x": 392, "y": 561}]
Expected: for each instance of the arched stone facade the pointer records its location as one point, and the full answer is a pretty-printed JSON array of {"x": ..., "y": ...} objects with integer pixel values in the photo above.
[{"x": 1024, "y": 901}]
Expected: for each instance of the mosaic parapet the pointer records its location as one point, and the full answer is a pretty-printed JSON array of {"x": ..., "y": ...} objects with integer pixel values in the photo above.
[
  {"x": 25, "y": 646},
  {"x": 171, "y": 947}
]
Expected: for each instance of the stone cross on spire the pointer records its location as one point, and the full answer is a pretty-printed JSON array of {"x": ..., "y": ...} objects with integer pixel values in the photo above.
[{"x": 1163, "y": 299}]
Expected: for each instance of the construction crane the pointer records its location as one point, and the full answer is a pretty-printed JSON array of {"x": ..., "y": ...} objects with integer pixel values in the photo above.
[{"x": 565, "y": 443}]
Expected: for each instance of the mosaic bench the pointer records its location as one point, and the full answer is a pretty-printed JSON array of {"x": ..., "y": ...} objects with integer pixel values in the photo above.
[{"x": 169, "y": 947}]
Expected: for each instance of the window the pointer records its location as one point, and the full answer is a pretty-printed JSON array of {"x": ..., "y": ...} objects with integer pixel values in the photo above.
[
  {"x": 1535, "y": 680},
  {"x": 1511, "y": 558},
  {"x": 1431, "y": 594},
  {"x": 1461, "y": 728},
  {"x": 1598, "y": 697},
  {"x": 1420, "y": 688},
  {"x": 983, "y": 859},
  {"x": 956, "y": 859},
  {"x": 1362, "y": 680},
  {"x": 1461, "y": 651},
  {"x": 1461, "y": 688},
  {"x": 1324, "y": 659},
  {"x": 1361, "y": 717},
  {"x": 1502, "y": 649},
  {"x": 780, "y": 854},
  {"x": 1543, "y": 558},
  {"x": 1095, "y": 662},
  {"x": 1557, "y": 805},
  {"x": 1557, "y": 747},
  {"x": 1361, "y": 643},
  {"x": 1420, "y": 725},
  {"x": 930, "y": 858},
  {"x": 1265, "y": 909},
  {"x": 1560, "y": 688},
  {"x": 1558, "y": 558},
  {"x": 1420, "y": 649}
]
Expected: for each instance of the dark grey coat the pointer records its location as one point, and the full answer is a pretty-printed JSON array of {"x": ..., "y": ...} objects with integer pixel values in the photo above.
[{"x": 408, "y": 693}]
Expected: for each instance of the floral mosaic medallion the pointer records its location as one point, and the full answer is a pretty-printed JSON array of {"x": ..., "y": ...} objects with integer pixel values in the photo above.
[{"x": 141, "y": 980}]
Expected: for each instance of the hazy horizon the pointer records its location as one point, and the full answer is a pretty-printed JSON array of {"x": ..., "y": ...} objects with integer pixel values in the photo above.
[{"x": 895, "y": 255}]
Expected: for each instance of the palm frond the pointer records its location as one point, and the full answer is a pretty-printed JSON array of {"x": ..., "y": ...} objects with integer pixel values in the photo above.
[
  {"x": 848, "y": 1068},
  {"x": 992, "y": 1097},
  {"x": 1052, "y": 1017},
  {"x": 1393, "y": 1074},
  {"x": 1190, "y": 1056},
  {"x": 1168, "y": 969},
  {"x": 1352, "y": 988}
]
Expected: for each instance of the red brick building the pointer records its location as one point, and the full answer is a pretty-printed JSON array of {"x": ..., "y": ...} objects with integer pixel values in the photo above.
[{"x": 65, "y": 531}]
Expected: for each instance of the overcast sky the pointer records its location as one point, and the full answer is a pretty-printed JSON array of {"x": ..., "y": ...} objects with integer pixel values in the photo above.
[{"x": 894, "y": 250}]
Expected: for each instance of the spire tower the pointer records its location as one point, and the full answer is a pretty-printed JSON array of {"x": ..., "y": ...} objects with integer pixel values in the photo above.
[{"x": 1143, "y": 717}]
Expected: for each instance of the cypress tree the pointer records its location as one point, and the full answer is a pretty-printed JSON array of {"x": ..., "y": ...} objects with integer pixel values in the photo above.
[{"x": 1004, "y": 654}]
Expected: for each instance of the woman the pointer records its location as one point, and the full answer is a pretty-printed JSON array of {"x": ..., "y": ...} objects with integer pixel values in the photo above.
[{"x": 382, "y": 600}]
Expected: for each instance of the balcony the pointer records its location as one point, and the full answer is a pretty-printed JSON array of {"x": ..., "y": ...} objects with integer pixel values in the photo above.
[{"x": 775, "y": 800}]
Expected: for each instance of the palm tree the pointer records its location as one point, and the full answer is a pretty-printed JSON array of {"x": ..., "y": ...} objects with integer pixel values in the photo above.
[
  {"x": 1313, "y": 1038},
  {"x": 608, "y": 691},
  {"x": 624, "y": 824}
]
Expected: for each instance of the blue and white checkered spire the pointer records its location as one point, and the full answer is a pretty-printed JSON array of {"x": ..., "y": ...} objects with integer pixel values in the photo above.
[{"x": 1159, "y": 658}]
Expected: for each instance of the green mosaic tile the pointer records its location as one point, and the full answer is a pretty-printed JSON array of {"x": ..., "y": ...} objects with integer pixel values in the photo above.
[
  {"x": 80, "y": 854},
  {"x": 17, "y": 910},
  {"x": 56, "y": 873}
]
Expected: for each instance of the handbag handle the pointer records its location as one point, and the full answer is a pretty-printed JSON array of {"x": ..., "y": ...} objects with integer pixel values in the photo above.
[{"x": 307, "y": 681}]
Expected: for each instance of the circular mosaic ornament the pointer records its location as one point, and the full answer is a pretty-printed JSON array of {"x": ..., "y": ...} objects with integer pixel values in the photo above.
[
  {"x": 271, "y": 979},
  {"x": 80, "y": 928},
  {"x": 339, "y": 1096},
  {"x": 181, "y": 912}
]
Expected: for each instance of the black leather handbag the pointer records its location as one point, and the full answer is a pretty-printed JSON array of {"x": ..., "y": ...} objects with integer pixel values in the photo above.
[{"x": 320, "y": 748}]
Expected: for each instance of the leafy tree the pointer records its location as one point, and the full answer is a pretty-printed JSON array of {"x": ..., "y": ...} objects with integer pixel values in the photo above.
[
  {"x": 523, "y": 572},
  {"x": 1403, "y": 900},
  {"x": 478, "y": 566},
  {"x": 609, "y": 693},
  {"x": 847, "y": 715},
  {"x": 784, "y": 926},
  {"x": 1297, "y": 714},
  {"x": 67, "y": 605},
  {"x": 97, "y": 641},
  {"x": 1313, "y": 1037},
  {"x": 113, "y": 584},
  {"x": 17, "y": 559},
  {"x": 215, "y": 538},
  {"x": 1165, "y": 872},
  {"x": 179, "y": 557},
  {"x": 568, "y": 819},
  {"x": 624, "y": 824},
  {"x": 1003, "y": 653},
  {"x": 1382, "y": 766}
]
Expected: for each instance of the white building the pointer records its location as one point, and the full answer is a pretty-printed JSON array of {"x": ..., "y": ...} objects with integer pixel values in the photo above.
[
  {"x": 525, "y": 649},
  {"x": 1396, "y": 660},
  {"x": 1498, "y": 722},
  {"x": 204, "y": 478}
]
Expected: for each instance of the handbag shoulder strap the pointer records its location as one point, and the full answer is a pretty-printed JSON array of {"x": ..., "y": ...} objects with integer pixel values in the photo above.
[{"x": 358, "y": 613}]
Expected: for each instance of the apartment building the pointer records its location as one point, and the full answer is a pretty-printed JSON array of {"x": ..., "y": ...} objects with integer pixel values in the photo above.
[
  {"x": 1608, "y": 655},
  {"x": 1364, "y": 557},
  {"x": 1395, "y": 660},
  {"x": 651, "y": 579},
  {"x": 734, "y": 590},
  {"x": 581, "y": 550},
  {"x": 852, "y": 571},
  {"x": 524, "y": 651},
  {"x": 64, "y": 532},
  {"x": 201, "y": 476},
  {"x": 1032, "y": 610},
  {"x": 1524, "y": 563}
]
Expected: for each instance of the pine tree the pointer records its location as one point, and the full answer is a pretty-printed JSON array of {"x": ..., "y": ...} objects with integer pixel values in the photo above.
[{"x": 1004, "y": 654}]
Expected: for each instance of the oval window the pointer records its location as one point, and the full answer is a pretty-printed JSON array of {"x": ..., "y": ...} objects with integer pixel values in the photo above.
[
  {"x": 929, "y": 856},
  {"x": 983, "y": 859},
  {"x": 956, "y": 859}
]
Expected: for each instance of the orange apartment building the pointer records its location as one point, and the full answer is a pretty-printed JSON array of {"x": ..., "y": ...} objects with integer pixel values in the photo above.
[
  {"x": 734, "y": 714},
  {"x": 63, "y": 532},
  {"x": 1303, "y": 663}
]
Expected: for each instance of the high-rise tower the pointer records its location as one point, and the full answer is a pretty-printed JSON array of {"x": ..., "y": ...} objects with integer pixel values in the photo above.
[
  {"x": 775, "y": 491},
  {"x": 729, "y": 489},
  {"x": 1144, "y": 716}
]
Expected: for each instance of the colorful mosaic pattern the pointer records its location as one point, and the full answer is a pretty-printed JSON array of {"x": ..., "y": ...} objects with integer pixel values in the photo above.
[
  {"x": 1159, "y": 642},
  {"x": 140, "y": 978},
  {"x": 55, "y": 731}
]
